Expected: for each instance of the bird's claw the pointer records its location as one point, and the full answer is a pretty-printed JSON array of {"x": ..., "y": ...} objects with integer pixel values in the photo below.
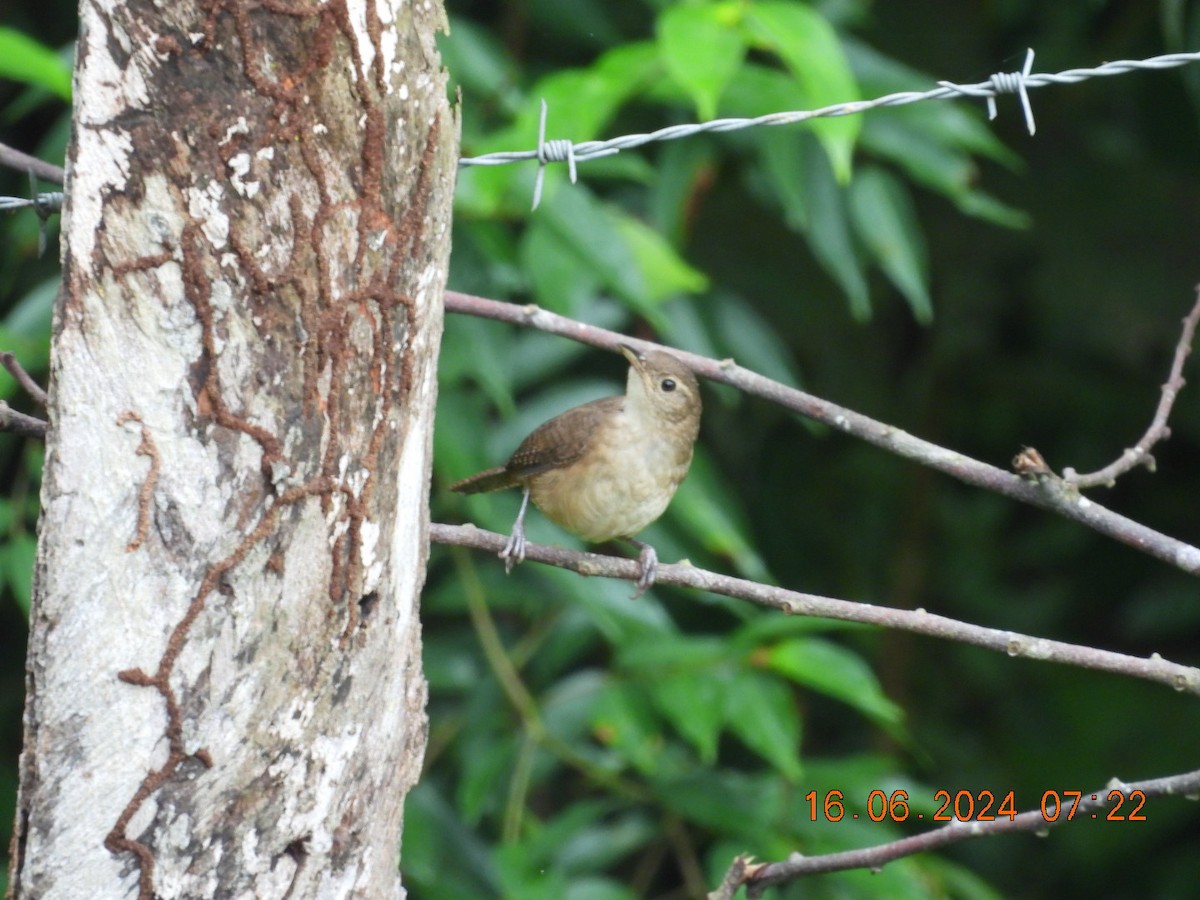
[
  {"x": 649, "y": 562},
  {"x": 514, "y": 550}
]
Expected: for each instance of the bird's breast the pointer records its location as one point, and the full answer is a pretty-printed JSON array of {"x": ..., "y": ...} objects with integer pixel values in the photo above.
[{"x": 621, "y": 484}]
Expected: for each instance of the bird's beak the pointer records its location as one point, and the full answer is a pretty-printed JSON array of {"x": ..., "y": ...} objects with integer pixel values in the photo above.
[{"x": 635, "y": 358}]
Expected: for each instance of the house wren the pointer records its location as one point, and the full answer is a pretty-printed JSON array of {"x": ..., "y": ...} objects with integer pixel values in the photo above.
[{"x": 608, "y": 468}]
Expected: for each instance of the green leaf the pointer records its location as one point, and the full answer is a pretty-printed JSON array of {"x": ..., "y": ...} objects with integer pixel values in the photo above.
[
  {"x": 624, "y": 721},
  {"x": 812, "y": 52},
  {"x": 664, "y": 272},
  {"x": 701, "y": 49},
  {"x": 835, "y": 671},
  {"x": 830, "y": 237},
  {"x": 758, "y": 91},
  {"x": 617, "y": 251},
  {"x": 17, "y": 556},
  {"x": 686, "y": 678},
  {"x": 731, "y": 803},
  {"x": 522, "y": 878},
  {"x": 780, "y": 151},
  {"x": 936, "y": 164},
  {"x": 707, "y": 510},
  {"x": 746, "y": 336},
  {"x": 24, "y": 59},
  {"x": 762, "y": 712},
  {"x": 440, "y": 852},
  {"x": 598, "y": 889},
  {"x": 479, "y": 63},
  {"x": 560, "y": 284},
  {"x": 684, "y": 169},
  {"x": 884, "y": 219},
  {"x": 589, "y": 836},
  {"x": 486, "y": 764},
  {"x": 694, "y": 705}
]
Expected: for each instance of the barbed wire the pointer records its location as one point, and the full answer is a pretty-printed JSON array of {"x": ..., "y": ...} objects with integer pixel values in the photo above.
[
  {"x": 1018, "y": 83},
  {"x": 563, "y": 150}
]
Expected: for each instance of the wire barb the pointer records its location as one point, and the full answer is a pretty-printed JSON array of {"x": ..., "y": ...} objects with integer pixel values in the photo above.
[
  {"x": 559, "y": 150},
  {"x": 45, "y": 204},
  {"x": 1001, "y": 83}
]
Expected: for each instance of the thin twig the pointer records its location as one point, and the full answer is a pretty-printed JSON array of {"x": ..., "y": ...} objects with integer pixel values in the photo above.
[
  {"x": 762, "y": 875},
  {"x": 1139, "y": 453},
  {"x": 23, "y": 162},
  {"x": 19, "y": 423},
  {"x": 918, "y": 621},
  {"x": 17, "y": 371},
  {"x": 1047, "y": 492}
]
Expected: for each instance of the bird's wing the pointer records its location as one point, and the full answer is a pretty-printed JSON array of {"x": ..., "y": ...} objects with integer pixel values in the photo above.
[{"x": 563, "y": 439}]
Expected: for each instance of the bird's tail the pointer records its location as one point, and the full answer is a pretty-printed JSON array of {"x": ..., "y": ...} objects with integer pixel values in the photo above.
[{"x": 492, "y": 480}]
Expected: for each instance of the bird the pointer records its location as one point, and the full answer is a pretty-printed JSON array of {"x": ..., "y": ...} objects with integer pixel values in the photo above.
[{"x": 606, "y": 469}]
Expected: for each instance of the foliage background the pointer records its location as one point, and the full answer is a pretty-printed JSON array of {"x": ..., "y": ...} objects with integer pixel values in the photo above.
[{"x": 979, "y": 287}]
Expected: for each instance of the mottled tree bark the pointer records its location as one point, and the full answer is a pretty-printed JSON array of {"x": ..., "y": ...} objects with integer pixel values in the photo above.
[{"x": 225, "y": 695}]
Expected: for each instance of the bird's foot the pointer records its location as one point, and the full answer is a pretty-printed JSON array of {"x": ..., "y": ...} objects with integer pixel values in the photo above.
[
  {"x": 649, "y": 562},
  {"x": 514, "y": 550}
]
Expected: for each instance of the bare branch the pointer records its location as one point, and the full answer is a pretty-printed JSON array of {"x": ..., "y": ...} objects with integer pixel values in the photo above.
[
  {"x": 761, "y": 876},
  {"x": 23, "y": 162},
  {"x": 17, "y": 371},
  {"x": 1049, "y": 492},
  {"x": 917, "y": 621},
  {"x": 19, "y": 423},
  {"x": 1139, "y": 453}
]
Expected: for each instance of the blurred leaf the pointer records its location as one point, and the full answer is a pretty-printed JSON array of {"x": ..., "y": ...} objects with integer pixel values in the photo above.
[
  {"x": 885, "y": 220},
  {"x": 836, "y": 671},
  {"x": 701, "y": 50},
  {"x": 711, "y": 514},
  {"x": 664, "y": 271},
  {"x": 597, "y": 889},
  {"x": 939, "y": 166},
  {"x": 17, "y": 556},
  {"x": 728, "y": 802},
  {"x": 584, "y": 227},
  {"x": 589, "y": 836},
  {"x": 569, "y": 706},
  {"x": 486, "y": 765},
  {"x": 810, "y": 48},
  {"x": 24, "y": 59},
  {"x": 762, "y": 712},
  {"x": 694, "y": 705},
  {"x": 478, "y": 62},
  {"x": 560, "y": 283},
  {"x": 476, "y": 350},
  {"x": 523, "y": 878},
  {"x": 830, "y": 237},
  {"x": 440, "y": 853},
  {"x": 687, "y": 680},
  {"x": 757, "y": 90},
  {"x": 25, "y": 332},
  {"x": 685, "y": 170},
  {"x": 780, "y": 150},
  {"x": 748, "y": 338},
  {"x": 624, "y": 721}
]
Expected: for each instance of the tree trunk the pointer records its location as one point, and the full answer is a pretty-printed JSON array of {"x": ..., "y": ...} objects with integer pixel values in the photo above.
[{"x": 225, "y": 695}]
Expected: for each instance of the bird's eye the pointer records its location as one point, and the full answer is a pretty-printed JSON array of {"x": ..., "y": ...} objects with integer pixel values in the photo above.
[{"x": 668, "y": 384}]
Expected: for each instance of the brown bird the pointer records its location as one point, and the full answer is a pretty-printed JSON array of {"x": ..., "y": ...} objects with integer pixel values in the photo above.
[{"x": 608, "y": 468}]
